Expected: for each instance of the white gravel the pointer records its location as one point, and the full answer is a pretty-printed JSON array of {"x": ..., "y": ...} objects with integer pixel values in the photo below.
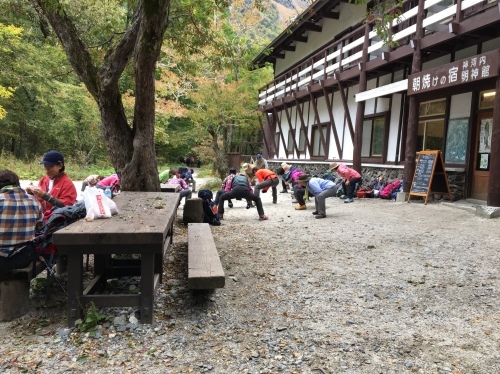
[{"x": 376, "y": 287}]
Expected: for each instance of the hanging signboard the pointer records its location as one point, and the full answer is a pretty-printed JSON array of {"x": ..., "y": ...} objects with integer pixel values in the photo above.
[
  {"x": 430, "y": 176},
  {"x": 468, "y": 70}
]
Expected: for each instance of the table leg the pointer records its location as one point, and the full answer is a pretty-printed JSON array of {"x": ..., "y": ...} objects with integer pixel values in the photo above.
[
  {"x": 75, "y": 287},
  {"x": 147, "y": 287}
]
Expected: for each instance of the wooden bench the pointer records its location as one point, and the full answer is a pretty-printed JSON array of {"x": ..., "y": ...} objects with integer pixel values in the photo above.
[
  {"x": 165, "y": 187},
  {"x": 14, "y": 290},
  {"x": 204, "y": 267}
]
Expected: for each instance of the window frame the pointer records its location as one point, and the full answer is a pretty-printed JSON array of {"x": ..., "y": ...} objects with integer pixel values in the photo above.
[
  {"x": 320, "y": 126},
  {"x": 385, "y": 141}
]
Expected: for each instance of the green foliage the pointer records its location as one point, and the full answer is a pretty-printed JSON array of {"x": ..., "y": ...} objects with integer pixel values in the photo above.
[
  {"x": 91, "y": 320},
  {"x": 212, "y": 184}
]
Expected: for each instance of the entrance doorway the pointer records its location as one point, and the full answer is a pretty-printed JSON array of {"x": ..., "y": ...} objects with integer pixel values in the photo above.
[{"x": 482, "y": 150}]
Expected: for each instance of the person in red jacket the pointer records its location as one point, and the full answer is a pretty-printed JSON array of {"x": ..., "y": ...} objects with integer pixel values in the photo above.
[
  {"x": 56, "y": 189},
  {"x": 267, "y": 178},
  {"x": 350, "y": 176}
]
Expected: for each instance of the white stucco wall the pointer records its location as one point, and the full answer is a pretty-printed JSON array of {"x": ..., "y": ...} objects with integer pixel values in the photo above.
[{"x": 393, "y": 128}]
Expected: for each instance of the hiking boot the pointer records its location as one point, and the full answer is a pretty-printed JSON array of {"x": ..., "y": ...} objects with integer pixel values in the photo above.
[
  {"x": 348, "y": 200},
  {"x": 343, "y": 197},
  {"x": 250, "y": 206},
  {"x": 301, "y": 207},
  {"x": 318, "y": 216},
  {"x": 263, "y": 217},
  {"x": 315, "y": 213},
  {"x": 275, "y": 202},
  {"x": 230, "y": 205},
  {"x": 283, "y": 191}
]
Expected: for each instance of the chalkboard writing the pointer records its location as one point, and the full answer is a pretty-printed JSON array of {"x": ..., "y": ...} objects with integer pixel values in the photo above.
[{"x": 423, "y": 173}]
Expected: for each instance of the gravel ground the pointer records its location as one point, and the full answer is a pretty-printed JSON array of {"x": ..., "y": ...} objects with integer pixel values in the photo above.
[{"x": 376, "y": 287}]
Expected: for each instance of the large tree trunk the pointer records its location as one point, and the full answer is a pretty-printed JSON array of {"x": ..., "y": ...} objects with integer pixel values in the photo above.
[{"x": 131, "y": 148}]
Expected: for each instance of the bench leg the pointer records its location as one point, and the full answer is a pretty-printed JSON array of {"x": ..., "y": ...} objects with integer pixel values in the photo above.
[
  {"x": 75, "y": 288},
  {"x": 147, "y": 288},
  {"x": 14, "y": 299}
]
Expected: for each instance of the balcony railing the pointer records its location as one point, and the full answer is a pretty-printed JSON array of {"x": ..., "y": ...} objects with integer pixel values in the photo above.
[{"x": 345, "y": 53}]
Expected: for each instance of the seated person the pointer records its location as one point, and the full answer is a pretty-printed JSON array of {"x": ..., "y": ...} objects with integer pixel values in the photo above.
[
  {"x": 20, "y": 215},
  {"x": 112, "y": 181},
  {"x": 184, "y": 189},
  {"x": 91, "y": 181},
  {"x": 56, "y": 189},
  {"x": 228, "y": 179}
]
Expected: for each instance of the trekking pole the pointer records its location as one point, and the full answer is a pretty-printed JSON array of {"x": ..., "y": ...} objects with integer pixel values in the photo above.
[{"x": 52, "y": 273}]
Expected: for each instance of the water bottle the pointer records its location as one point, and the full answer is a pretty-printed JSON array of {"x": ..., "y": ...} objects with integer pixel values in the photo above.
[{"x": 107, "y": 192}]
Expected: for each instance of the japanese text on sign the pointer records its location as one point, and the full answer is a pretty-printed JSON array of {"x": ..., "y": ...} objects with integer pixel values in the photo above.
[{"x": 459, "y": 72}]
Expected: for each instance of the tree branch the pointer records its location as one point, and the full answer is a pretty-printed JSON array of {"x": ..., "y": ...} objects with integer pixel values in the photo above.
[{"x": 78, "y": 54}]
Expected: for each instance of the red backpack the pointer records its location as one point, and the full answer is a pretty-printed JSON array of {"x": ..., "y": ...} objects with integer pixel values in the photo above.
[{"x": 389, "y": 189}]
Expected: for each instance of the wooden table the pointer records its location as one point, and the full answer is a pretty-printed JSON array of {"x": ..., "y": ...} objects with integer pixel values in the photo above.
[
  {"x": 170, "y": 187},
  {"x": 143, "y": 226}
]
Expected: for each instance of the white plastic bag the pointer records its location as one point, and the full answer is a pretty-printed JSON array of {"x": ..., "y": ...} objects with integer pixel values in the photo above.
[{"x": 96, "y": 204}]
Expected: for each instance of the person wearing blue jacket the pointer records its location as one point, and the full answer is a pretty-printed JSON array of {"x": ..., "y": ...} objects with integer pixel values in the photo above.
[{"x": 319, "y": 188}]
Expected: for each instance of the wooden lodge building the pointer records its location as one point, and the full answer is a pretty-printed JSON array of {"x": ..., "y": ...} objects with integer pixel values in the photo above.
[{"x": 339, "y": 93}]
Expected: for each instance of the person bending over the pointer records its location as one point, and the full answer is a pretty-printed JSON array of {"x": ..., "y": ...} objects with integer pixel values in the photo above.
[
  {"x": 350, "y": 176},
  {"x": 225, "y": 182},
  {"x": 321, "y": 189},
  {"x": 267, "y": 178},
  {"x": 240, "y": 188}
]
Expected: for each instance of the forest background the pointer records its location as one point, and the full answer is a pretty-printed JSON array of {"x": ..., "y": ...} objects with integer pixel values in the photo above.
[{"x": 205, "y": 95}]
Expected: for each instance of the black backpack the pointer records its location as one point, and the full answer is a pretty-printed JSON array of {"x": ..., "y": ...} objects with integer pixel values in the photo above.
[{"x": 208, "y": 207}]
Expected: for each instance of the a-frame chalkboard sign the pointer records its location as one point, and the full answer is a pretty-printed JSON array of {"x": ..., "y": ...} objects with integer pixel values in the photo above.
[{"x": 430, "y": 176}]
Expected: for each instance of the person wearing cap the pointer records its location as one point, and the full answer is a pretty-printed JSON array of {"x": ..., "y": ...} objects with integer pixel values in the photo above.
[
  {"x": 56, "y": 189},
  {"x": 184, "y": 191},
  {"x": 319, "y": 188},
  {"x": 261, "y": 162},
  {"x": 240, "y": 188},
  {"x": 20, "y": 215},
  {"x": 267, "y": 178},
  {"x": 350, "y": 176},
  {"x": 225, "y": 182}
]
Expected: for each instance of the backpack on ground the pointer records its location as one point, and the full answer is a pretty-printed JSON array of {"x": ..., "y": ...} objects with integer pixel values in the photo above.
[
  {"x": 387, "y": 191},
  {"x": 210, "y": 214}
]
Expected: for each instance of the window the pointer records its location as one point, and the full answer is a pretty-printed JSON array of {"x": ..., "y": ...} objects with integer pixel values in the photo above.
[
  {"x": 373, "y": 137},
  {"x": 302, "y": 141},
  {"x": 487, "y": 99},
  {"x": 289, "y": 145},
  {"x": 277, "y": 141},
  {"x": 430, "y": 135},
  {"x": 431, "y": 125},
  {"x": 317, "y": 145}
]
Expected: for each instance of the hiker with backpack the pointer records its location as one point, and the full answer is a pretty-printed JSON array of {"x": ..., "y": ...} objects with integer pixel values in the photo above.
[
  {"x": 56, "y": 189},
  {"x": 350, "y": 176},
  {"x": 20, "y": 215},
  {"x": 240, "y": 189}
]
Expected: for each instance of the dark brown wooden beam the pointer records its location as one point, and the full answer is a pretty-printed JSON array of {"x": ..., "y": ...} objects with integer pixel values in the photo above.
[
  {"x": 299, "y": 38},
  {"x": 286, "y": 109},
  {"x": 310, "y": 26}
]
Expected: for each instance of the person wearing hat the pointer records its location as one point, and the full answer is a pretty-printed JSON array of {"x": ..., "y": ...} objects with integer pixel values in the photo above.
[
  {"x": 261, "y": 162},
  {"x": 56, "y": 189},
  {"x": 289, "y": 175},
  {"x": 350, "y": 176},
  {"x": 225, "y": 182},
  {"x": 319, "y": 188},
  {"x": 248, "y": 170},
  {"x": 267, "y": 178},
  {"x": 240, "y": 188}
]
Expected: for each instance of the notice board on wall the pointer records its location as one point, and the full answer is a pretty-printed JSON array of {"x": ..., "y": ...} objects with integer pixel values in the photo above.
[{"x": 430, "y": 176}]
